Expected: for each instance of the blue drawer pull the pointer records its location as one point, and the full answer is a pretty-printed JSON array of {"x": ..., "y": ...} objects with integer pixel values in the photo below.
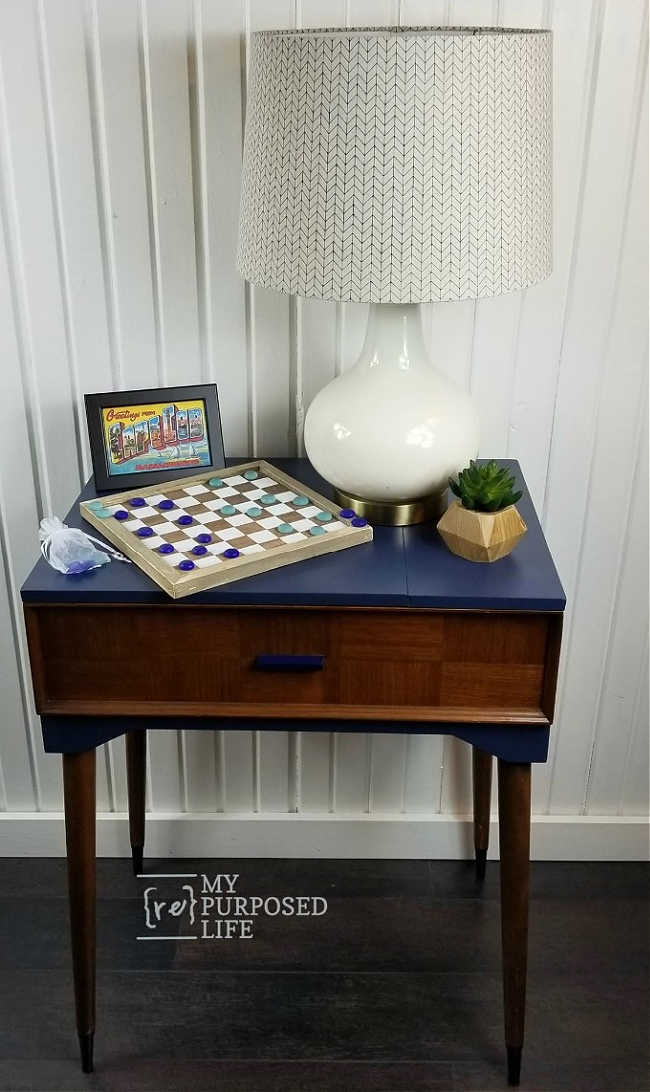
[{"x": 288, "y": 662}]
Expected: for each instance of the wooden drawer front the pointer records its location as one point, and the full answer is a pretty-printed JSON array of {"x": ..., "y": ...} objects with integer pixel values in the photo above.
[{"x": 202, "y": 660}]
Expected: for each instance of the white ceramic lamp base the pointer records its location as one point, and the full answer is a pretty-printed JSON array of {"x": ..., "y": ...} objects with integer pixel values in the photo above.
[{"x": 389, "y": 432}]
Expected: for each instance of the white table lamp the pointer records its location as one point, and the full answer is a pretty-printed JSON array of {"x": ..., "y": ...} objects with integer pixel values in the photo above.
[{"x": 395, "y": 166}]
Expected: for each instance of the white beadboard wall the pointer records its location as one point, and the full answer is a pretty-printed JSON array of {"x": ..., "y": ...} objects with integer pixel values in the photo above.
[{"x": 120, "y": 144}]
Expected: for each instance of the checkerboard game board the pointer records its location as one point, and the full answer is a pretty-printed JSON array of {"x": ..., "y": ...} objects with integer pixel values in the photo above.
[{"x": 200, "y": 532}]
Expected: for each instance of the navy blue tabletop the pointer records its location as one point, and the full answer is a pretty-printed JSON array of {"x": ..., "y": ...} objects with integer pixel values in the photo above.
[{"x": 401, "y": 567}]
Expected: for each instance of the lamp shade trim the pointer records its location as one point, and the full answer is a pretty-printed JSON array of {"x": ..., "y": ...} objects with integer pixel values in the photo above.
[
  {"x": 388, "y": 31},
  {"x": 397, "y": 165}
]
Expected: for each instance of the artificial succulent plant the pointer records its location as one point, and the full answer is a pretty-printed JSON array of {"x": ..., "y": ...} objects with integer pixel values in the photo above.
[{"x": 485, "y": 488}]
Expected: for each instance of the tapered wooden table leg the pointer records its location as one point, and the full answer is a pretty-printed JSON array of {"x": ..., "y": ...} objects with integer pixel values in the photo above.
[
  {"x": 514, "y": 834},
  {"x": 79, "y": 795},
  {"x": 136, "y": 761},
  {"x": 482, "y": 784}
]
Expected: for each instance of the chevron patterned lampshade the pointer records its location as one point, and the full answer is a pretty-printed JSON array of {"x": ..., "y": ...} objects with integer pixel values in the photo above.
[{"x": 397, "y": 164}]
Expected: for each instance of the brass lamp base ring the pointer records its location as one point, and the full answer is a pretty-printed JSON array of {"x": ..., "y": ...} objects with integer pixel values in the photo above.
[{"x": 396, "y": 514}]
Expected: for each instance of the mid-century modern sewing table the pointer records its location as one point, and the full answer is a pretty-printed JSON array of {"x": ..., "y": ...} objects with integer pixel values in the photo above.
[{"x": 403, "y": 637}]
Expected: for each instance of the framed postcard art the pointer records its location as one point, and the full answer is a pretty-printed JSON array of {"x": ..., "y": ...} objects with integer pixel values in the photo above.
[{"x": 143, "y": 437}]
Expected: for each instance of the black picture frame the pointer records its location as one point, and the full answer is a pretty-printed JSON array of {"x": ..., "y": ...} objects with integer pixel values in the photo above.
[{"x": 115, "y": 482}]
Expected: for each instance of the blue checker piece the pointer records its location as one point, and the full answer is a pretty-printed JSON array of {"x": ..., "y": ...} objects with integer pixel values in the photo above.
[
  {"x": 166, "y": 548},
  {"x": 231, "y": 552},
  {"x": 199, "y": 550},
  {"x": 185, "y": 520},
  {"x": 137, "y": 502},
  {"x": 204, "y": 537},
  {"x": 185, "y": 565},
  {"x": 347, "y": 513},
  {"x": 359, "y": 521},
  {"x": 121, "y": 514},
  {"x": 250, "y": 475},
  {"x": 166, "y": 504},
  {"x": 144, "y": 532}
]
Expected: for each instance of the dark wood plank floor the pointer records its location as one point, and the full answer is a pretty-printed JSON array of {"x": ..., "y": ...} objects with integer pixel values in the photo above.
[{"x": 396, "y": 989}]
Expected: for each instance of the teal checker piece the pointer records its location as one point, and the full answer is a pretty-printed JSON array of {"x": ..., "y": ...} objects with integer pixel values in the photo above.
[
  {"x": 216, "y": 483},
  {"x": 323, "y": 517},
  {"x": 300, "y": 501},
  {"x": 268, "y": 499},
  {"x": 99, "y": 509},
  {"x": 316, "y": 531},
  {"x": 250, "y": 475},
  {"x": 228, "y": 510},
  {"x": 254, "y": 512},
  {"x": 284, "y": 529}
]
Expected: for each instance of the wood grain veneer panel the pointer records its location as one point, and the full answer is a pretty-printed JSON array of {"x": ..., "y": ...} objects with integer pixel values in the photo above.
[
  {"x": 396, "y": 683},
  {"x": 410, "y": 636},
  {"x": 491, "y": 638},
  {"x": 200, "y": 660},
  {"x": 500, "y": 685}
]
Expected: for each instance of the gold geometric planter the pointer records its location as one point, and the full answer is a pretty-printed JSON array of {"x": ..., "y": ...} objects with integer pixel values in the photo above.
[{"x": 481, "y": 536}]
